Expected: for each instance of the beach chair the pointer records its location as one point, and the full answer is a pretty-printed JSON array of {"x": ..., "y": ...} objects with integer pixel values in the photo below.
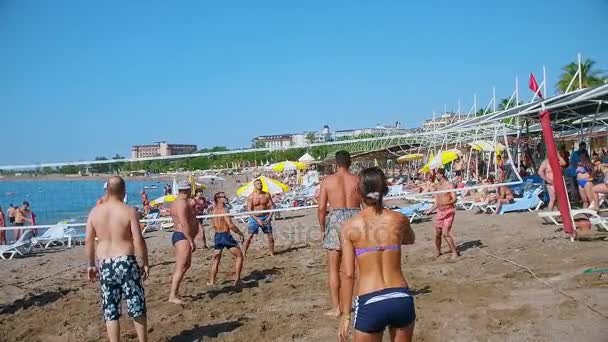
[
  {"x": 530, "y": 202},
  {"x": 53, "y": 235},
  {"x": 153, "y": 225},
  {"x": 415, "y": 211},
  {"x": 553, "y": 216},
  {"x": 23, "y": 246}
]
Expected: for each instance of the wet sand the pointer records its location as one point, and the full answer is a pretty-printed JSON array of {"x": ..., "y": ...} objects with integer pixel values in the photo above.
[{"x": 45, "y": 297}]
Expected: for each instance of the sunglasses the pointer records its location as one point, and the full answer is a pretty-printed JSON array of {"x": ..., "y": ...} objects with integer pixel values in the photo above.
[{"x": 221, "y": 197}]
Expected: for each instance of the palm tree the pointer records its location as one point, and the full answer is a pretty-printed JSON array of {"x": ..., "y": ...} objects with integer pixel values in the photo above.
[
  {"x": 310, "y": 137},
  {"x": 502, "y": 105},
  {"x": 590, "y": 76}
]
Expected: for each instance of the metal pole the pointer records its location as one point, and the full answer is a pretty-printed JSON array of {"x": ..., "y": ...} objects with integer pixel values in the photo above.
[
  {"x": 580, "y": 72},
  {"x": 494, "y": 98},
  {"x": 545, "y": 81},
  {"x": 474, "y": 105},
  {"x": 516, "y": 91}
]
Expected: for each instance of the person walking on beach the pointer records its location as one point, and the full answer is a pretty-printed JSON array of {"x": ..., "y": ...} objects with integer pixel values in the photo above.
[
  {"x": 22, "y": 215},
  {"x": 444, "y": 203},
  {"x": 338, "y": 191},
  {"x": 11, "y": 213},
  {"x": 113, "y": 259},
  {"x": 260, "y": 200},
  {"x": 546, "y": 173},
  {"x": 223, "y": 239},
  {"x": 144, "y": 197},
  {"x": 184, "y": 230},
  {"x": 199, "y": 205},
  {"x": 2, "y": 225},
  {"x": 374, "y": 238}
]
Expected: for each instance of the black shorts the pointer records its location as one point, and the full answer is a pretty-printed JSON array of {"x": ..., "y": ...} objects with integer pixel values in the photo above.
[
  {"x": 458, "y": 173},
  {"x": 20, "y": 224},
  {"x": 11, "y": 220}
]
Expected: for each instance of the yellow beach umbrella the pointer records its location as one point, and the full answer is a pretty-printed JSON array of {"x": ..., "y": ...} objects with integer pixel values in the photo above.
[
  {"x": 163, "y": 200},
  {"x": 442, "y": 158},
  {"x": 268, "y": 185},
  {"x": 410, "y": 157},
  {"x": 487, "y": 146},
  {"x": 288, "y": 166}
]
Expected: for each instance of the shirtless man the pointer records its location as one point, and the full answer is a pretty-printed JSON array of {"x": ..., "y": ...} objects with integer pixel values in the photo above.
[
  {"x": 116, "y": 227},
  {"x": 444, "y": 203},
  {"x": 184, "y": 230},
  {"x": 341, "y": 193},
  {"x": 545, "y": 172},
  {"x": 199, "y": 205},
  {"x": 22, "y": 215},
  {"x": 223, "y": 239},
  {"x": 260, "y": 200},
  {"x": 11, "y": 213},
  {"x": 505, "y": 196}
]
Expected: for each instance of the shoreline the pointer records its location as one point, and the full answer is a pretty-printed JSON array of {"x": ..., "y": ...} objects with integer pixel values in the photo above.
[{"x": 97, "y": 177}]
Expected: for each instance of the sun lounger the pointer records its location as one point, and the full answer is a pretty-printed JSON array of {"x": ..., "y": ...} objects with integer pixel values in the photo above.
[
  {"x": 415, "y": 211},
  {"x": 553, "y": 216},
  {"x": 530, "y": 202},
  {"x": 53, "y": 235},
  {"x": 152, "y": 225},
  {"x": 23, "y": 246}
]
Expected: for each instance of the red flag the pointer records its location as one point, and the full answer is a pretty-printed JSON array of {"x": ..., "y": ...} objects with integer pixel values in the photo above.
[{"x": 534, "y": 86}]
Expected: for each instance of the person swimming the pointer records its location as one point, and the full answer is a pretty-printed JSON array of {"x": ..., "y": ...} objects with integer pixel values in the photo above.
[{"x": 374, "y": 238}]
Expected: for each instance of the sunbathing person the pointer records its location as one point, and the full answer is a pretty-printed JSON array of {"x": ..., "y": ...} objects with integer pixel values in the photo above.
[{"x": 505, "y": 196}]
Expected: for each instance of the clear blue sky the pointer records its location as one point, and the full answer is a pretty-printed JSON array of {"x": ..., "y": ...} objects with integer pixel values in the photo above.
[{"x": 80, "y": 79}]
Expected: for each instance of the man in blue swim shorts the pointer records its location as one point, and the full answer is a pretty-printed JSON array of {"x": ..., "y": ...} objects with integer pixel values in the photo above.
[
  {"x": 222, "y": 226},
  {"x": 185, "y": 227},
  {"x": 260, "y": 200}
]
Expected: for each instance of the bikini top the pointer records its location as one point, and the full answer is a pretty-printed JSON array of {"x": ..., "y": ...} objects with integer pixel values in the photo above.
[
  {"x": 360, "y": 251},
  {"x": 582, "y": 169}
]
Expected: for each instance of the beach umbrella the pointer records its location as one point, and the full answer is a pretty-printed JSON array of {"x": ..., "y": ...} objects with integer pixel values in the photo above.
[
  {"x": 306, "y": 158},
  {"x": 442, "y": 158},
  {"x": 487, "y": 146},
  {"x": 163, "y": 200},
  {"x": 268, "y": 185},
  {"x": 410, "y": 157},
  {"x": 288, "y": 166}
]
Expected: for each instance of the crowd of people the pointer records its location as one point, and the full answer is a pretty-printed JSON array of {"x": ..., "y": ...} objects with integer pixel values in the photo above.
[
  {"x": 354, "y": 223},
  {"x": 16, "y": 216}
]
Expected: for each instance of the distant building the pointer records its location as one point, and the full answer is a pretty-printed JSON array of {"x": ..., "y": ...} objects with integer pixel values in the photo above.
[
  {"x": 161, "y": 149},
  {"x": 273, "y": 141},
  {"x": 325, "y": 134}
]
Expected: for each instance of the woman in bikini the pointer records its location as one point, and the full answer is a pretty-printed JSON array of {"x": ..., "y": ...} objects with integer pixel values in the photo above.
[
  {"x": 374, "y": 238},
  {"x": 585, "y": 182}
]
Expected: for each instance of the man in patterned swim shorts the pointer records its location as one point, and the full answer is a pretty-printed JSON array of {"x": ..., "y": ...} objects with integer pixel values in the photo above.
[
  {"x": 340, "y": 191},
  {"x": 116, "y": 227},
  {"x": 444, "y": 203}
]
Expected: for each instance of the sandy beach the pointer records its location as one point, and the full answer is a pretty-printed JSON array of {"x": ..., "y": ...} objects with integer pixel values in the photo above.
[{"x": 45, "y": 297}]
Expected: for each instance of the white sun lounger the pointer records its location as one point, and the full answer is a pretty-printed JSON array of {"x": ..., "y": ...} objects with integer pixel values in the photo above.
[
  {"x": 53, "y": 235},
  {"x": 552, "y": 216},
  {"x": 23, "y": 246}
]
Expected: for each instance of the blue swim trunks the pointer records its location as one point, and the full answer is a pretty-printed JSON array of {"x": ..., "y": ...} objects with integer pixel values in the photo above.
[
  {"x": 224, "y": 240},
  {"x": 392, "y": 307},
  {"x": 254, "y": 227},
  {"x": 177, "y": 236}
]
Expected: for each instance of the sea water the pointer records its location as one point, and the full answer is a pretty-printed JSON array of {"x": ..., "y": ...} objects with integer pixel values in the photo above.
[{"x": 71, "y": 200}]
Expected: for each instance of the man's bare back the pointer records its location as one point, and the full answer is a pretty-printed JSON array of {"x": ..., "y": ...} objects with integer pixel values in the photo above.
[
  {"x": 342, "y": 190},
  {"x": 113, "y": 222}
]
